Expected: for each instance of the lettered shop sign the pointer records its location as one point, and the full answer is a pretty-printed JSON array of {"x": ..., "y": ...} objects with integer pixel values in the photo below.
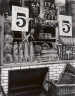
[
  {"x": 65, "y": 25},
  {"x": 20, "y": 17}
]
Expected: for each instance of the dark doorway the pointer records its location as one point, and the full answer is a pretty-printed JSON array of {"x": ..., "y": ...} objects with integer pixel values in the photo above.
[{"x": 28, "y": 82}]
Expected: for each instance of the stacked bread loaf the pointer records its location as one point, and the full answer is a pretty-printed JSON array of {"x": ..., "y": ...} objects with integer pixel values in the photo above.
[{"x": 8, "y": 40}]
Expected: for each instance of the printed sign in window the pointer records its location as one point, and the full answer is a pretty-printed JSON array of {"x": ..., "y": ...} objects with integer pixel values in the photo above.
[
  {"x": 65, "y": 25},
  {"x": 20, "y": 17}
]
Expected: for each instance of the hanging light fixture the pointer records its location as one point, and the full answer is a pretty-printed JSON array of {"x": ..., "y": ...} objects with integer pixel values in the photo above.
[{"x": 59, "y": 2}]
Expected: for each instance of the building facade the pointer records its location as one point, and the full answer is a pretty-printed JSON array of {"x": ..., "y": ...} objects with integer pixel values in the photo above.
[{"x": 70, "y": 9}]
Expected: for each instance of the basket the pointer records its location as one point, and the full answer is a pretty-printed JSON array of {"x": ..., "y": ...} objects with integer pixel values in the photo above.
[
  {"x": 61, "y": 90},
  {"x": 69, "y": 69},
  {"x": 66, "y": 78}
]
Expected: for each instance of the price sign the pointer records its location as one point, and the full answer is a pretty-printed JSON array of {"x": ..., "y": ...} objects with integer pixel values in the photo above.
[
  {"x": 20, "y": 17},
  {"x": 49, "y": 11},
  {"x": 65, "y": 25}
]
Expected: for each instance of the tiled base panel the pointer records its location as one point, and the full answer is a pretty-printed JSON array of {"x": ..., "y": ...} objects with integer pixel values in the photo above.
[{"x": 54, "y": 72}]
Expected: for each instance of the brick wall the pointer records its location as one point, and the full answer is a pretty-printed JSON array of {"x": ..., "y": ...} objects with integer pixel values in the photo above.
[{"x": 54, "y": 72}]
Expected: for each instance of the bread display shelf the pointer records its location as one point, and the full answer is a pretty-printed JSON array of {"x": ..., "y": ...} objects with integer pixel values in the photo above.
[{"x": 36, "y": 63}]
